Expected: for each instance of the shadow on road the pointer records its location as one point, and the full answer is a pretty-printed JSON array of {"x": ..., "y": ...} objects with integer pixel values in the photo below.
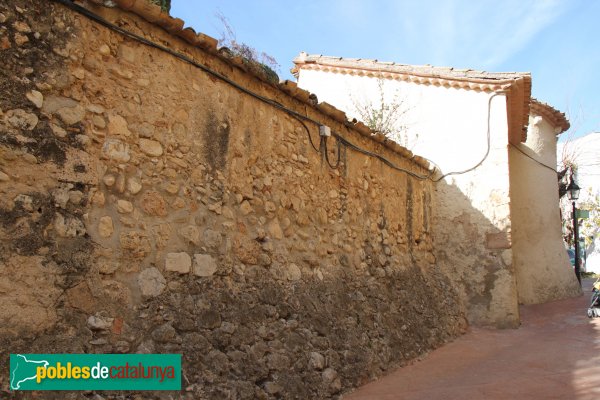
[{"x": 553, "y": 355}]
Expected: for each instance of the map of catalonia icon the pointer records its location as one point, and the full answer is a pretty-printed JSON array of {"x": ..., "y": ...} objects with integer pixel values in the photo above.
[{"x": 23, "y": 370}]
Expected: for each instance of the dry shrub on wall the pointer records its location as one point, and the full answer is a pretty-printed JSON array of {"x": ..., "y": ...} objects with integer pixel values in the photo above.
[
  {"x": 258, "y": 61},
  {"x": 386, "y": 113}
]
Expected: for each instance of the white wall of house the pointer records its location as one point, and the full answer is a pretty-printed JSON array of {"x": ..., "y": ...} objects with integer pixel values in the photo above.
[
  {"x": 542, "y": 266},
  {"x": 472, "y": 214}
]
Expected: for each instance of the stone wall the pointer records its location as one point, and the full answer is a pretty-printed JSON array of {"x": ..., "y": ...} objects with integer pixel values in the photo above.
[{"x": 148, "y": 207}]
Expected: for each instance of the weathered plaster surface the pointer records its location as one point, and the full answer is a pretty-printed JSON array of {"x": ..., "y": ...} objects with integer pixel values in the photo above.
[{"x": 542, "y": 266}]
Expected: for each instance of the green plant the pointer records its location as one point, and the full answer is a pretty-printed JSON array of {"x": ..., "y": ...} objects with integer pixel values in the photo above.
[
  {"x": 386, "y": 114},
  {"x": 165, "y": 5}
]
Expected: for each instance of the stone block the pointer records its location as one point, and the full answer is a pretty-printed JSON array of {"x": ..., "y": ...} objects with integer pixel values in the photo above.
[
  {"x": 81, "y": 298},
  {"x": 54, "y": 103},
  {"x": 178, "y": 262},
  {"x": 36, "y": 98},
  {"x": 114, "y": 149},
  {"x": 71, "y": 115},
  {"x": 99, "y": 322},
  {"x": 246, "y": 208},
  {"x": 151, "y": 148},
  {"x": 316, "y": 361},
  {"x": 293, "y": 272},
  {"x": 204, "y": 265},
  {"x": 124, "y": 206},
  {"x": 135, "y": 244},
  {"x": 105, "y": 227},
  {"x": 117, "y": 126},
  {"x": 274, "y": 229},
  {"x": 68, "y": 227},
  {"x": 22, "y": 119},
  {"x": 134, "y": 185},
  {"x": 191, "y": 234},
  {"x": 154, "y": 204},
  {"x": 151, "y": 282},
  {"x": 165, "y": 334}
]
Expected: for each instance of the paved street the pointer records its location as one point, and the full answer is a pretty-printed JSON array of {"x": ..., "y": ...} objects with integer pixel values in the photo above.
[{"x": 554, "y": 355}]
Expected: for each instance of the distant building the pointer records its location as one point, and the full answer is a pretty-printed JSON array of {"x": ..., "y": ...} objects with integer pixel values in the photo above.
[
  {"x": 497, "y": 229},
  {"x": 585, "y": 152}
]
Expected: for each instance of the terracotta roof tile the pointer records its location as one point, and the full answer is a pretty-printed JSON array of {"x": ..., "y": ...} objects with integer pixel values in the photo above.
[
  {"x": 333, "y": 112},
  {"x": 302, "y": 95},
  {"x": 362, "y": 128},
  {"x": 289, "y": 87},
  {"x": 555, "y": 117},
  {"x": 207, "y": 42},
  {"x": 190, "y": 36},
  {"x": 173, "y": 25}
]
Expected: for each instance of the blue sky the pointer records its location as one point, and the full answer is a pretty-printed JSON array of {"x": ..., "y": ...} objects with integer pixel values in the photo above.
[{"x": 558, "y": 41}]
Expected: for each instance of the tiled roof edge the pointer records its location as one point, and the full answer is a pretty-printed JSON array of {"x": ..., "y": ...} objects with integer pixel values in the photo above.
[
  {"x": 557, "y": 118},
  {"x": 421, "y": 74},
  {"x": 517, "y": 85}
]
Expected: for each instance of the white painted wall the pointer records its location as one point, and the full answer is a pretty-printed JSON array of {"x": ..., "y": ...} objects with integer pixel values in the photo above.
[
  {"x": 434, "y": 115},
  {"x": 449, "y": 126},
  {"x": 542, "y": 266}
]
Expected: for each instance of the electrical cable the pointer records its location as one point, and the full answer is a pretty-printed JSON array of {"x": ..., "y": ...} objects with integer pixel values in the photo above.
[
  {"x": 381, "y": 158},
  {"x": 301, "y": 118},
  {"x": 307, "y": 132},
  {"x": 537, "y": 161},
  {"x": 326, "y": 151},
  {"x": 487, "y": 152}
]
